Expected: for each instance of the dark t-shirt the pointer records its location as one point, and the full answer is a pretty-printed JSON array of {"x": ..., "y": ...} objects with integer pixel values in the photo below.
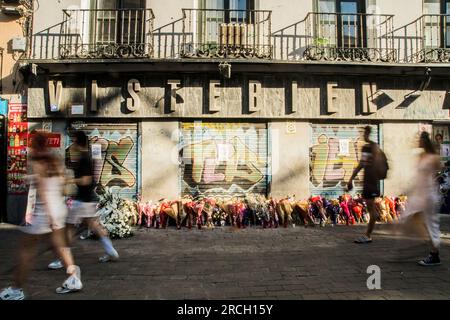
[
  {"x": 84, "y": 168},
  {"x": 371, "y": 184}
]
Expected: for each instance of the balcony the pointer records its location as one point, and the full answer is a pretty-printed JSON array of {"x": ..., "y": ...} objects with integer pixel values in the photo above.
[
  {"x": 97, "y": 34},
  {"x": 231, "y": 34},
  {"x": 425, "y": 40},
  {"x": 338, "y": 37}
]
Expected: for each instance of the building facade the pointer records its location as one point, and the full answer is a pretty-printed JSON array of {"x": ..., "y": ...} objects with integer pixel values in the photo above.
[
  {"x": 230, "y": 97},
  {"x": 15, "y": 26}
]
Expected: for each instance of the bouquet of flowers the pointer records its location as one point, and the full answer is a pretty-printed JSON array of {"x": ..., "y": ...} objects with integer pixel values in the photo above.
[{"x": 117, "y": 215}]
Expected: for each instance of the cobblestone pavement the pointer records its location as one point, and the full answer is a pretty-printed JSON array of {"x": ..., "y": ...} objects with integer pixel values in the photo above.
[{"x": 295, "y": 263}]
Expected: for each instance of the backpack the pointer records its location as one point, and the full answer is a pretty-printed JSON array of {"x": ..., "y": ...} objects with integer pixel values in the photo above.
[{"x": 380, "y": 163}]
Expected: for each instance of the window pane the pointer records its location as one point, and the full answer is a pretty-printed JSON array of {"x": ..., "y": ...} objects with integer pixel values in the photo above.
[
  {"x": 349, "y": 23},
  {"x": 327, "y": 6},
  {"x": 238, "y": 4},
  {"x": 106, "y": 4},
  {"x": 432, "y": 7},
  {"x": 214, "y": 4},
  {"x": 131, "y": 4},
  {"x": 349, "y": 7}
]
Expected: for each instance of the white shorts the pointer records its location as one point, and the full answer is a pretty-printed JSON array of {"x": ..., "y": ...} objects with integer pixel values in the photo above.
[
  {"x": 81, "y": 210},
  {"x": 40, "y": 221}
]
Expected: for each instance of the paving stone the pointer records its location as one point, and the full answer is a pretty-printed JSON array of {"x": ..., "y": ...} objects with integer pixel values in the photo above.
[{"x": 295, "y": 263}]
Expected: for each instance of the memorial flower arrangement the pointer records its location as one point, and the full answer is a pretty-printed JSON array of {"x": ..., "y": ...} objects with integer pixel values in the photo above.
[{"x": 117, "y": 215}]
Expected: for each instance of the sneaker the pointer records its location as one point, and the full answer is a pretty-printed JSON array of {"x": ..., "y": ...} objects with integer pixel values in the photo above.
[
  {"x": 72, "y": 283},
  {"x": 55, "y": 265},
  {"x": 12, "y": 294},
  {"x": 431, "y": 260},
  {"x": 111, "y": 256},
  {"x": 363, "y": 240}
]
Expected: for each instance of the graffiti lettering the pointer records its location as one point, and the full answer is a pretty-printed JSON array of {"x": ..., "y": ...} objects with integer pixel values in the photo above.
[
  {"x": 222, "y": 161},
  {"x": 113, "y": 172},
  {"x": 332, "y": 167}
]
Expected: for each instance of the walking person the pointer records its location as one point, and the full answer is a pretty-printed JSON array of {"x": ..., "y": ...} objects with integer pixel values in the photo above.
[
  {"x": 374, "y": 163},
  {"x": 48, "y": 217},
  {"x": 424, "y": 200},
  {"x": 84, "y": 206}
]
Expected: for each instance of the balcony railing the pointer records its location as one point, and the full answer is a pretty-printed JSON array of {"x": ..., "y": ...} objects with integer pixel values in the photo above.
[
  {"x": 425, "y": 40},
  {"x": 209, "y": 33},
  {"x": 115, "y": 33},
  {"x": 349, "y": 37},
  {"x": 243, "y": 34}
]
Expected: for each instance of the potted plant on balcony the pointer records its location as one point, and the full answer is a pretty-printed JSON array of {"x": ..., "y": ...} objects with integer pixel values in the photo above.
[{"x": 318, "y": 49}]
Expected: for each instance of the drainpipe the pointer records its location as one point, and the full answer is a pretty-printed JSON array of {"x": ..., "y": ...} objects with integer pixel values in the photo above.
[{"x": 1, "y": 70}]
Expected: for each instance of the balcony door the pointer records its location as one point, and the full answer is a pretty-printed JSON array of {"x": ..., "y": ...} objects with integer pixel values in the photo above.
[
  {"x": 351, "y": 23},
  {"x": 436, "y": 23},
  {"x": 117, "y": 22},
  {"x": 213, "y": 13},
  {"x": 445, "y": 21},
  {"x": 341, "y": 23}
]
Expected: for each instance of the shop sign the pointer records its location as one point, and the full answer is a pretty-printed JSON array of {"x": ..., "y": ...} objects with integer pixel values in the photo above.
[
  {"x": 54, "y": 140},
  {"x": 17, "y": 148}
]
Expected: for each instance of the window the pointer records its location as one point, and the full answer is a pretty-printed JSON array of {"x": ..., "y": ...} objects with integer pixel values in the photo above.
[
  {"x": 213, "y": 13},
  {"x": 342, "y": 22},
  {"x": 112, "y": 23},
  {"x": 437, "y": 23}
]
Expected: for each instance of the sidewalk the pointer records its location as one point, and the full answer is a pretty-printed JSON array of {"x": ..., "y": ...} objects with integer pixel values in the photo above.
[{"x": 293, "y": 263}]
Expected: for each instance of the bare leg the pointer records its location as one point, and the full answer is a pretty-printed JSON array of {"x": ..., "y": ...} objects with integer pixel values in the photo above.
[
  {"x": 95, "y": 226},
  {"x": 70, "y": 234},
  {"x": 60, "y": 245},
  {"x": 26, "y": 257},
  {"x": 373, "y": 217}
]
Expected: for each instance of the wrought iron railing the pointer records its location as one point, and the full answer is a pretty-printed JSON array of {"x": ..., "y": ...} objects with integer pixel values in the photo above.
[
  {"x": 167, "y": 40},
  {"x": 107, "y": 33},
  {"x": 211, "y": 33},
  {"x": 425, "y": 40},
  {"x": 346, "y": 37}
]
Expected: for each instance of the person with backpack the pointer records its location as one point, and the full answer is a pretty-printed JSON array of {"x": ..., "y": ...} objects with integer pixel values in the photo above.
[{"x": 374, "y": 163}]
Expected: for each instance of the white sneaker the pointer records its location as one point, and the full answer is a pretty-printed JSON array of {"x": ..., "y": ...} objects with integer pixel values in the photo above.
[
  {"x": 55, "y": 265},
  {"x": 12, "y": 294},
  {"x": 72, "y": 283}
]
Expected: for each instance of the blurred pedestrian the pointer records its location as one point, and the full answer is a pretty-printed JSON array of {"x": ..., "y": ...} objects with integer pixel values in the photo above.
[
  {"x": 424, "y": 201},
  {"x": 48, "y": 217},
  {"x": 374, "y": 163},
  {"x": 84, "y": 206}
]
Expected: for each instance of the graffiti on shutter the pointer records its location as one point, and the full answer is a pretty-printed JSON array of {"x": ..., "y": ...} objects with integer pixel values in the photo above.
[
  {"x": 335, "y": 152},
  {"x": 223, "y": 159},
  {"x": 114, "y": 152}
]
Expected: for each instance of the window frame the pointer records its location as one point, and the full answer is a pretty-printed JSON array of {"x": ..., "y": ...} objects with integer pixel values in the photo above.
[
  {"x": 119, "y": 30},
  {"x": 361, "y": 39}
]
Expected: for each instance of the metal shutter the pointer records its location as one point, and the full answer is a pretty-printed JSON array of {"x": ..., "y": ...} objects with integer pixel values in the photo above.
[
  {"x": 118, "y": 167},
  {"x": 220, "y": 159},
  {"x": 335, "y": 152}
]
